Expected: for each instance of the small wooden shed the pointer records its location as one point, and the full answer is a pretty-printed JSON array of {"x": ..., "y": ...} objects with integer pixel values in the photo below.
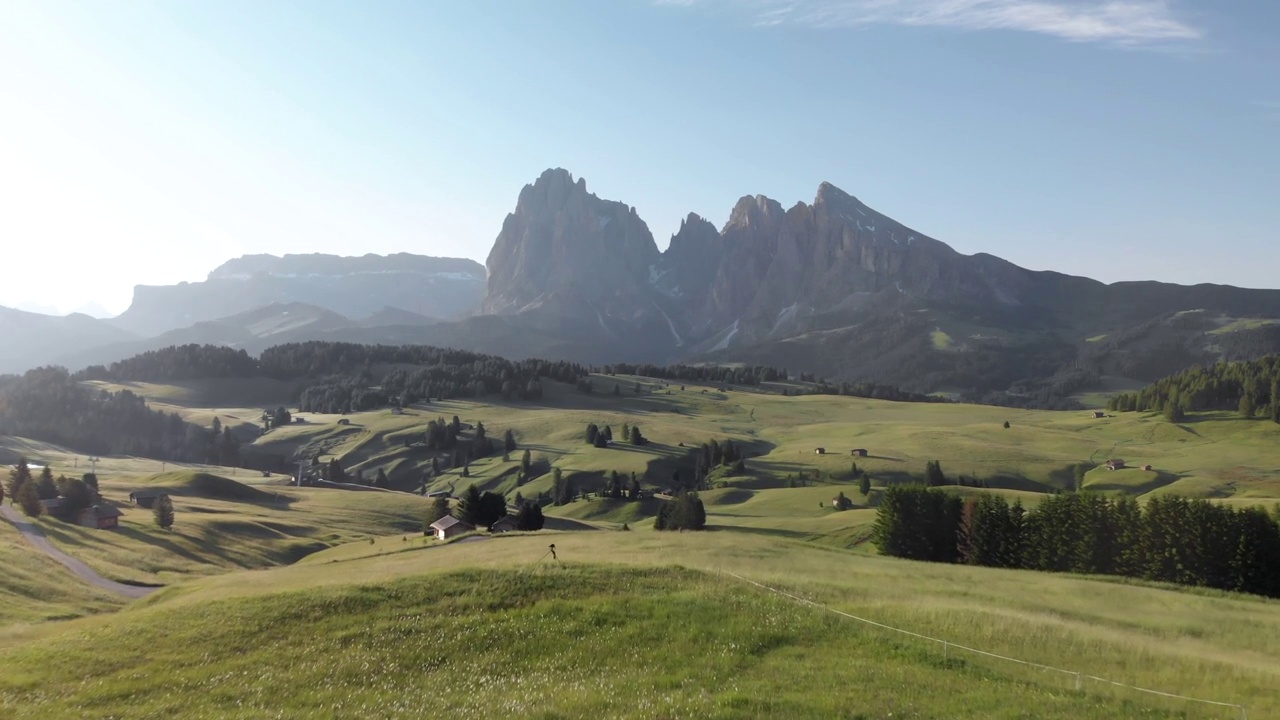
[
  {"x": 819, "y": 451},
  {"x": 102, "y": 517},
  {"x": 450, "y": 526},
  {"x": 858, "y": 452},
  {"x": 1098, "y": 414},
  {"x": 145, "y": 498},
  {"x": 1115, "y": 464}
]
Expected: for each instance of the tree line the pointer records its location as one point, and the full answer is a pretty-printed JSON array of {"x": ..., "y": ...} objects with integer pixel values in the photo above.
[
  {"x": 753, "y": 375},
  {"x": 1168, "y": 539},
  {"x": 48, "y": 404},
  {"x": 1250, "y": 388}
]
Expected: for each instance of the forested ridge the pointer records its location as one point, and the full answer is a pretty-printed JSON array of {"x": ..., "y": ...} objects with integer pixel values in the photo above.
[
  {"x": 48, "y": 404},
  {"x": 1250, "y": 387}
]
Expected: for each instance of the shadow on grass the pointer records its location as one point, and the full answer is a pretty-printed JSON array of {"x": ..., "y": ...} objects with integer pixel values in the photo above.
[
  {"x": 167, "y": 545},
  {"x": 1161, "y": 479}
]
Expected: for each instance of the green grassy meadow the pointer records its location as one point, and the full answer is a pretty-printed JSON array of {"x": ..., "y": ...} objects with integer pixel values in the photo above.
[
  {"x": 645, "y": 624},
  {"x": 281, "y": 601}
]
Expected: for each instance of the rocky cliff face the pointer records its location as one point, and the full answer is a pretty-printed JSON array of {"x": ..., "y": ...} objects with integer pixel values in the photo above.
[
  {"x": 354, "y": 287},
  {"x": 564, "y": 247},
  {"x": 831, "y": 286}
]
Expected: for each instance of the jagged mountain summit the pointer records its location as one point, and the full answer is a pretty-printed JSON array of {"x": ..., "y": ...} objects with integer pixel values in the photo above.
[
  {"x": 836, "y": 288},
  {"x": 355, "y": 287}
]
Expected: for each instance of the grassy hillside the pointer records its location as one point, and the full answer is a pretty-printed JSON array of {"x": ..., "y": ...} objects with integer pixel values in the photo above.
[
  {"x": 34, "y": 588},
  {"x": 646, "y": 624}
]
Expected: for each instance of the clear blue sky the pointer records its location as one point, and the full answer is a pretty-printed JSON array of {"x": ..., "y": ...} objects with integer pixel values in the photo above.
[{"x": 149, "y": 142}]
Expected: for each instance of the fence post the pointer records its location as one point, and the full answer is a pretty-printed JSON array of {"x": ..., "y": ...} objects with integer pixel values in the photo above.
[
  {"x": 944, "y": 649},
  {"x": 1079, "y": 682}
]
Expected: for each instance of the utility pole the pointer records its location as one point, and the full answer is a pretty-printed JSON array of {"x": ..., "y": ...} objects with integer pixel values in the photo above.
[{"x": 93, "y": 464}]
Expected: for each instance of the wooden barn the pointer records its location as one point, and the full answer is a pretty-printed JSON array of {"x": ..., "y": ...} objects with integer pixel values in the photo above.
[
  {"x": 1115, "y": 464},
  {"x": 102, "y": 517},
  {"x": 145, "y": 498},
  {"x": 858, "y": 452}
]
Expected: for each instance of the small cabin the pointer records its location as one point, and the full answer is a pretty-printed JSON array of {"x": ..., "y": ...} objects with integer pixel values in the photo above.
[
  {"x": 1115, "y": 464},
  {"x": 819, "y": 451},
  {"x": 145, "y": 498},
  {"x": 450, "y": 526},
  {"x": 52, "y": 506},
  {"x": 858, "y": 452},
  {"x": 344, "y": 421},
  {"x": 102, "y": 517},
  {"x": 1098, "y": 414},
  {"x": 506, "y": 524},
  {"x": 397, "y": 410},
  {"x": 1147, "y": 468}
]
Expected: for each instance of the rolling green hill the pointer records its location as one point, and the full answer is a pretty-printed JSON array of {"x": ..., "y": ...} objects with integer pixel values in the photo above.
[
  {"x": 647, "y": 624},
  {"x": 639, "y": 623}
]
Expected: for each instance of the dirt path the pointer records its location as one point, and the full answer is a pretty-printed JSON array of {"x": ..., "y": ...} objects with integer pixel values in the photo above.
[{"x": 36, "y": 537}]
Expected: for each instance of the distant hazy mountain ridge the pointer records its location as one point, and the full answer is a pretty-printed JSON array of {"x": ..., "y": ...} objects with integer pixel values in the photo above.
[{"x": 354, "y": 287}]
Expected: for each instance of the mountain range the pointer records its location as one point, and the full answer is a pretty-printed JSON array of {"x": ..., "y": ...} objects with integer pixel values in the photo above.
[{"x": 832, "y": 288}]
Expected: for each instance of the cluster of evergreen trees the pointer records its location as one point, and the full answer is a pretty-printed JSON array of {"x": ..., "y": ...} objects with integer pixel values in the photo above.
[
  {"x": 683, "y": 512},
  {"x": 180, "y": 362},
  {"x": 601, "y": 436},
  {"x": 874, "y": 391},
  {"x": 48, "y": 404},
  {"x": 1169, "y": 539},
  {"x": 617, "y": 486},
  {"x": 26, "y": 491},
  {"x": 340, "y": 375},
  {"x": 714, "y": 454},
  {"x": 1250, "y": 388},
  {"x": 700, "y": 373}
]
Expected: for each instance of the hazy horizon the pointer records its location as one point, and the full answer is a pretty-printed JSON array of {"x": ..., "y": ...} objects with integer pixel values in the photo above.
[{"x": 1130, "y": 140}]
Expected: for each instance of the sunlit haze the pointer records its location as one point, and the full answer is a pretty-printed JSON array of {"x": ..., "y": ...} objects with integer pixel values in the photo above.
[{"x": 149, "y": 143}]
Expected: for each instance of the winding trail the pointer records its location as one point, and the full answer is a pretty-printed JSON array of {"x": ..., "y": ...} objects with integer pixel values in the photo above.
[{"x": 36, "y": 537}]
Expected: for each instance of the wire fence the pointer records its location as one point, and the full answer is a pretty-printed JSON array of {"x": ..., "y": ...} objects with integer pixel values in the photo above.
[{"x": 948, "y": 647}]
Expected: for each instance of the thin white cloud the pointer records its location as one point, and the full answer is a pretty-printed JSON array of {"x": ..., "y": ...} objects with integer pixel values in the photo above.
[{"x": 1131, "y": 22}]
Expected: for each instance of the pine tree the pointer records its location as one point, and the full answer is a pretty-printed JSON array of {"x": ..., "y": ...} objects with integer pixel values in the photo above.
[
  {"x": 163, "y": 512},
  {"x": 509, "y": 441},
  {"x": 529, "y": 517},
  {"x": 1275, "y": 400},
  {"x": 865, "y": 484},
  {"x": 439, "y": 508},
  {"x": 469, "y": 506},
  {"x": 526, "y": 463},
  {"x": 381, "y": 480},
  {"x": 608, "y": 433},
  {"x": 593, "y": 432},
  {"x": 46, "y": 487},
  {"x": 1246, "y": 407},
  {"x": 18, "y": 476},
  {"x": 29, "y": 500}
]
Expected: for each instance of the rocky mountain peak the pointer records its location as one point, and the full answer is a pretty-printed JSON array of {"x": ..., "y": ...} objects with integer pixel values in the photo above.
[
  {"x": 830, "y": 194},
  {"x": 564, "y": 242},
  {"x": 753, "y": 211}
]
